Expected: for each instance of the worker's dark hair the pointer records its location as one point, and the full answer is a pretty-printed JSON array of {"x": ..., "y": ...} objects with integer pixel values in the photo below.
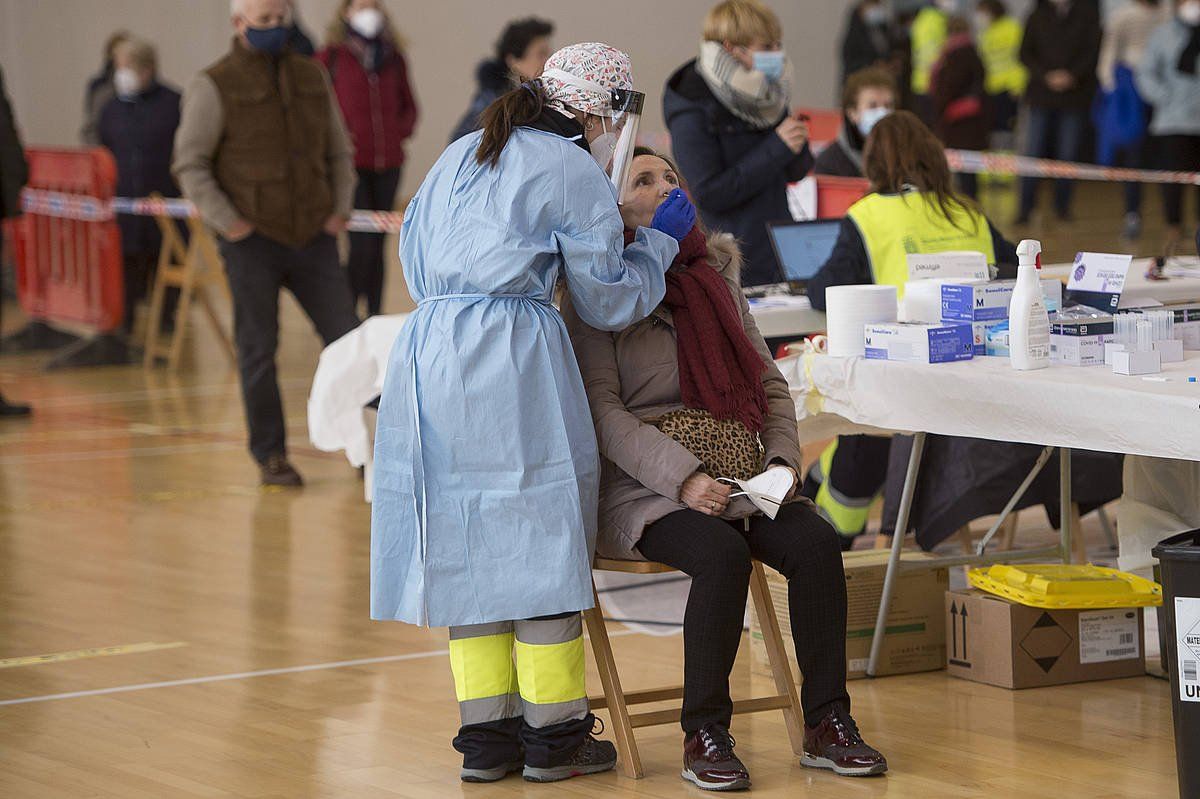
[
  {"x": 519, "y": 107},
  {"x": 901, "y": 151},
  {"x": 518, "y": 35},
  {"x": 867, "y": 78},
  {"x": 994, "y": 7}
]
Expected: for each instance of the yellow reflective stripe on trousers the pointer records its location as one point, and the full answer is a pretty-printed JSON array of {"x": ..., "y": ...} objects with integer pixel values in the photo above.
[
  {"x": 483, "y": 666},
  {"x": 551, "y": 673}
]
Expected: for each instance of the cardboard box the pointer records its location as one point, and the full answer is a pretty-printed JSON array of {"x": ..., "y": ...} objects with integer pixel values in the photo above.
[
  {"x": 1080, "y": 342},
  {"x": 990, "y": 338},
  {"x": 917, "y": 342},
  {"x": 916, "y": 623},
  {"x": 992, "y": 640},
  {"x": 1187, "y": 323},
  {"x": 988, "y": 302}
]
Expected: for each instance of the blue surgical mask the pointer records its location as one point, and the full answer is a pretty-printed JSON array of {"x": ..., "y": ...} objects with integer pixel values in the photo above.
[
  {"x": 770, "y": 63},
  {"x": 268, "y": 40},
  {"x": 870, "y": 118}
]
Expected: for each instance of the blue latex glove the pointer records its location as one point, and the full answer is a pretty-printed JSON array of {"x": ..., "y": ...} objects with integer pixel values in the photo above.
[{"x": 676, "y": 216}]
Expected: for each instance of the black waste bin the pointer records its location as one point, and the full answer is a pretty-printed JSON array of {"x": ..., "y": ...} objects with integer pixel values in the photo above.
[{"x": 1179, "y": 561}]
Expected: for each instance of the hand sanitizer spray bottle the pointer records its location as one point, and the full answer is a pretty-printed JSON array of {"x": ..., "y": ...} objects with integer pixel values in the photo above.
[{"x": 1029, "y": 324}]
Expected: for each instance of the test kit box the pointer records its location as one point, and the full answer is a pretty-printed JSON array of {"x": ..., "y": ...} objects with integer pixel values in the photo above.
[
  {"x": 1080, "y": 342},
  {"x": 990, "y": 338},
  {"x": 993, "y": 640},
  {"x": 917, "y": 342},
  {"x": 916, "y": 638},
  {"x": 988, "y": 302},
  {"x": 1187, "y": 323}
]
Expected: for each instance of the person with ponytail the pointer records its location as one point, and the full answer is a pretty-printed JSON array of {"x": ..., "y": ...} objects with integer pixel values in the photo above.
[{"x": 487, "y": 470}]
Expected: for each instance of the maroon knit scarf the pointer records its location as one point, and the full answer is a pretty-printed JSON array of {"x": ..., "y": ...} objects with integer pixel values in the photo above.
[{"x": 720, "y": 371}]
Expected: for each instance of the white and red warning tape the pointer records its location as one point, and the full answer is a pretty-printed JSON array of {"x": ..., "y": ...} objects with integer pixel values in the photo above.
[{"x": 90, "y": 209}]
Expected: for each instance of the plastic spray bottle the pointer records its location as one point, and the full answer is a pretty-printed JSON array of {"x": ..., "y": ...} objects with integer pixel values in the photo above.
[{"x": 1029, "y": 323}]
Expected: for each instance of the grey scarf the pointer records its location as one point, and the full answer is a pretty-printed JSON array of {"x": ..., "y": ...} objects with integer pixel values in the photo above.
[{"x": 748, "y": 94}]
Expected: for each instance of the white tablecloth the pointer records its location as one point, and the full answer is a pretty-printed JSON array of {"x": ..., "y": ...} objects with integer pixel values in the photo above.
[
  {"x": 1064, "y": 406},
  {"x": 349, "y": 375}
]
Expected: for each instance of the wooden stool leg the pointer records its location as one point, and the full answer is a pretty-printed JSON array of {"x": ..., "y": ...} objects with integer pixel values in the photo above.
[
  {"x": 776, "y": 652},
  {"x": 964, "y": 538},
  {"x": 1009, "y": 531},
  {"x": 630, "y": 762}
]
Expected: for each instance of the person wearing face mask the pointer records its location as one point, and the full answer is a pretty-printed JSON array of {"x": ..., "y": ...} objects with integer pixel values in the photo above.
[
  {"x": 867, "y": 41},
  {"x": 521, "y": 54},
  {"x": 999, "y": 37},
  {"x": 1060, "y": 48},
  {"x": 366, "y": 64},
  {"x": 960, "y": 102},
  {"x": 138, "y": 126},
  {"x": 869, "y": 96},
  {"x": 484, "y": 510},
  {"x": 913, "y": 207},
  {"x": 927, "y": 36},
  {"x": 701, "y": 366},
  {"x": 264, "y": 155},
  {"x": 1168, "y": 77},
  {"x": 737, "y": 143},
  {"x": 99, "y": 91}
]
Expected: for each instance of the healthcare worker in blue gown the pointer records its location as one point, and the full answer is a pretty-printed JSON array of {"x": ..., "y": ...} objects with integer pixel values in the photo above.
[{"x": 487, "y": 470}]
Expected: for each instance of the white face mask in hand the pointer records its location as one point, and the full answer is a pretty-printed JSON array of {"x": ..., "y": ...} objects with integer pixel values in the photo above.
[{"x": 767, "y": 490}]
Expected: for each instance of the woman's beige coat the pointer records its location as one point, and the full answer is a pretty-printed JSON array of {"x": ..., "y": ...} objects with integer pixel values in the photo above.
[{"x": 632, "y": 376}]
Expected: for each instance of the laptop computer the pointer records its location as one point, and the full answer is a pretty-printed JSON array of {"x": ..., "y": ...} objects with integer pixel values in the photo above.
[{"x": 801, "y": 249}]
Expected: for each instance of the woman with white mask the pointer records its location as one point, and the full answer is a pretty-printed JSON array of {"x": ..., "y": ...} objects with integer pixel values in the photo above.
[
  {"x": 487, "y": 468},
  {"x": 365, "y": 58}
]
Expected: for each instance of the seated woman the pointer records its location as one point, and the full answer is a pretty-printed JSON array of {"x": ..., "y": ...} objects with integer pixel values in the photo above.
[
  {"x": 913, "y": 207},
  {"x": 869, "y": 96},
  {"x": 698, "y": 368}
]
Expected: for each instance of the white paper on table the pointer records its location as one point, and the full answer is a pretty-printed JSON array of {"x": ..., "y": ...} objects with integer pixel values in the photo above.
[
  {"x": 802, "y": 199},
  {"x": 767, "y": 491},
  {"x": 959, "y": 265}
]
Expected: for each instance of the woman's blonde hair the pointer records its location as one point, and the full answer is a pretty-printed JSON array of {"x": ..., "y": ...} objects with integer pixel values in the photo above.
[
  {"x": 742, "y": 22},
  {"x": 335, "y": 34}
]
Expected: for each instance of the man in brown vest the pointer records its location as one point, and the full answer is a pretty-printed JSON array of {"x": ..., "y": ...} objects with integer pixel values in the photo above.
[{"x": 262, "y": 152}]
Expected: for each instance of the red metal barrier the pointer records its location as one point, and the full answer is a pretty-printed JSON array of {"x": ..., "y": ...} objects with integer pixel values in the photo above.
[
  {"x": 836, "y": 195},
  {"x": 70, "y": 270}
]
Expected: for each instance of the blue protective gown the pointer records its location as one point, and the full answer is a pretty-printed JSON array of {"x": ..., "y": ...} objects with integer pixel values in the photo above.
[{"x": 485, "y": 509}]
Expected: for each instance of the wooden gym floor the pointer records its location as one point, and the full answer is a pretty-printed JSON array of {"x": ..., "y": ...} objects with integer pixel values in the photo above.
[{"x": 168, "y": 629}]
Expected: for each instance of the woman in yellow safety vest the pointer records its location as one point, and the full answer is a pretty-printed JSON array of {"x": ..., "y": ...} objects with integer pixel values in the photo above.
[
  {"x": 1000, "y": 48},
  {"x": 913, "y": 208}
]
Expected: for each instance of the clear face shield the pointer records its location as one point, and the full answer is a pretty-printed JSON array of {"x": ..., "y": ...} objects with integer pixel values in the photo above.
[{"x": 627, "y": 116}]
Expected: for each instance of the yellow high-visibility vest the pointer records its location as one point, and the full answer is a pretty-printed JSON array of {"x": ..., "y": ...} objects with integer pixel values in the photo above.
[
  {"x": 928, "y": 36},
  {"x": 894, "y": 225},
  {"x": 1000, "y": 49}
]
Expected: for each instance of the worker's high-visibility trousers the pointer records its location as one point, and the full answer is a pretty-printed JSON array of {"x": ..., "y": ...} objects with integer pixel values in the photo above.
[
  {"x": 845, "y": 481},
  {"x": 521, "y": 692}
]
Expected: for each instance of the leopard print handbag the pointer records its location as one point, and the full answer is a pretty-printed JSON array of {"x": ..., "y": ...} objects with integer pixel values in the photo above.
[{"x": 725, "y": 447}]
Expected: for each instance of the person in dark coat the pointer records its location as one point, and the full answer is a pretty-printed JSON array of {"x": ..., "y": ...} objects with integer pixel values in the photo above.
[
  {"x": 138, "y": 126},
  {"x": 732, "y": 133},
  {"x": 869, "y": 96},
  {"x": 867, "y": 41},
  {"x": 370, "y": 78},
  {"x": 14, "y": 172},
  {"x": 99, "y": 91},
  {"x": 1061, "y": 49},
  {"x": 521, "y": 54},
  {"x": 962, "y": 119},
  {"x": 298, "y": 40}
]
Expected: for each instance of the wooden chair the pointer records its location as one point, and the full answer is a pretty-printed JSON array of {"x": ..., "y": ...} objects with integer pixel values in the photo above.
[
  {"x": 192, "y": 270},
  {"x": 617, "y": 700}
]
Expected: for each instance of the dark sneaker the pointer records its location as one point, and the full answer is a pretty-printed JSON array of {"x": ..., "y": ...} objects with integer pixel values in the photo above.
[
  {"x": 592, "y": 757},
  {"x": 709, "y": 761},
  {"x": 491, "y": 774},
  {"x": 836, "y": 745},
  {"x": 13, "y": 409},
  {"x": 277, "y": 471}
]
